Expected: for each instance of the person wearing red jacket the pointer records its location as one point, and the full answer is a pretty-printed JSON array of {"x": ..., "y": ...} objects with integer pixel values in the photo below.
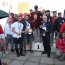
[
  {"x": 2, "y": 40},
  {"x": 1, "y": 32},
  {"x": 36, "y": 21},
  {"x": 61, "y": 45},
  {"x": 35, "y": 17},
  {"x": 62, "y": 27}
]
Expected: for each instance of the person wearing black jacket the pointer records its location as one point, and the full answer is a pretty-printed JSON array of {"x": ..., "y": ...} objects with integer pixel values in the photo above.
[
  {"x": 58, "y": 22},
  {"x": 49, "y": 17},
  {"x": 46, "y": 30}
]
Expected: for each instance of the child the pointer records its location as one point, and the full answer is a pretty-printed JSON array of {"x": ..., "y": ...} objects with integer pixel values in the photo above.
[{"x": 61, "y": 45}]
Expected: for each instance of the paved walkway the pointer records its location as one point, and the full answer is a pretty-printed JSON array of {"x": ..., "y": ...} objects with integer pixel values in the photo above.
[{"x": 35, "y": 58}]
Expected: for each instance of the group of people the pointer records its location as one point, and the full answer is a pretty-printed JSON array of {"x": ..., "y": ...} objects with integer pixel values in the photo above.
[{"x": 21, "y": 31}]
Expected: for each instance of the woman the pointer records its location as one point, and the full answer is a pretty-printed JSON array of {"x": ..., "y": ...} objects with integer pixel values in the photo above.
[{"x": 61, "y": 45}]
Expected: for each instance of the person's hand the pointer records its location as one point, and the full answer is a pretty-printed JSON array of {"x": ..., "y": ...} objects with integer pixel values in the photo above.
[
  {"x": 18, "y": 33},
  {"x": 45, "y": 30},
  {"x": 26, "y": 30}
]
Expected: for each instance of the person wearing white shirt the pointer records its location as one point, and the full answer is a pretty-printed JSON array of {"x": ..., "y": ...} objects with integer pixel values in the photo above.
[
  {"x": 8, "y": 34},
  {"x": 17, "y": 28}
]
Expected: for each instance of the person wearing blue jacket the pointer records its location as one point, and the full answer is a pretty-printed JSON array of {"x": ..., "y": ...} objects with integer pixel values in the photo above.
[{"x": 46, "y": 30}]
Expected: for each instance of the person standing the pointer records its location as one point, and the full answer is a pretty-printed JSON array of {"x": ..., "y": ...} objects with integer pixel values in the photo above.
[
  {"x": 17, "y": 28},
  {"x": 8, "y": 33},
  {"x": 46, "y": 30},
  {"x": 29, "y": 32},
  {"x": 36, "y": 20}
]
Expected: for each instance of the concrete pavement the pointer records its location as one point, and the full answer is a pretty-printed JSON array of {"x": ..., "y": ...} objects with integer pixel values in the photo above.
[{"x": 36, "y": 58}]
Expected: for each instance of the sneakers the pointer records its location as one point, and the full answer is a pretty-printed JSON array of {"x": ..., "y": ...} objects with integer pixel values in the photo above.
[
  {"x": 43, "y": 52},
  {"x": 6, "y": 52},
  {"x": 18, "y": 55},
  {"x": 22, "y": 54},
  {"x": 62, "y": 58},
  {"x": 12, "y": 50}
]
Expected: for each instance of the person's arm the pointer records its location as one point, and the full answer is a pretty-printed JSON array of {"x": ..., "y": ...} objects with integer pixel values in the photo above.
[
  {"x": 49, "y": 27},
  {"x": 62, "y": 27},
  {"x": 13, "y": 30}
]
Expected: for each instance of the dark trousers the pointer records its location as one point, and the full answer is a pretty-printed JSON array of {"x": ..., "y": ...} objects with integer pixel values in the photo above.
[
  {"x": 46, "y": 44},
  {"x": 0, "y": 62},
  {"x": 18, "y": 45}
]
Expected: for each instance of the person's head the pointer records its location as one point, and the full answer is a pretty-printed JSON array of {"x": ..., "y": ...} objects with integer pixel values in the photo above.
[
  {"x": 27, "y": 17},
  {"x": 36, "y": 8},
  {"x": 12, "y": 14},
  {"x": 54, "y": 13},
  {"x": 11, "y": 17},
  {"x": 20, "y": 17},
  {"x": 47, "y": 12},
  {"x": 44, "y": 18},
  {"x": 43, "y": 11},
  {"x": 31, "y": 10},
  {"x": 62, "y": 34},
  {"x": 59, "y": 14},
  {"x": 15, "y": 16}
]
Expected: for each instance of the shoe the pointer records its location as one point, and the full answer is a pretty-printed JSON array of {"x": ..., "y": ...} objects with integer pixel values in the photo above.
[
  {"x": 48, "y": 55},
  {"x": 18, "y": 55},
  {"x": 62, "y": 58},
  {"x": 6, "y": 52},
  {"x": 22, "y": 54},
  {"x": 43, "y": 52},
  {"x": 25, "y": 51},
  {"x": 57, "y": 57},
  {"x": 12, "y": 50}
]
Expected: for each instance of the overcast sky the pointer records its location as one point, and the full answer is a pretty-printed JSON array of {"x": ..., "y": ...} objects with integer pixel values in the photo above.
[
  {"x": 45, "y": 4},
  {"x": 58, "y": 5}
]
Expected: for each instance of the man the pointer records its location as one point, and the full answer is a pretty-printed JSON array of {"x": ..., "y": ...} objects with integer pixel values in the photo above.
[
  {"x": 53, "y": 32},
  {"x": 49, "y": 18},
  {"x": 17, "y": 28},
  {"x": 58, "y": 22},
  {"x": 46, "y": 30},
  {"x": 36, "y": 20},
  {"x": 8, "y": 33},
  {"x": 43, "y": 12}
]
